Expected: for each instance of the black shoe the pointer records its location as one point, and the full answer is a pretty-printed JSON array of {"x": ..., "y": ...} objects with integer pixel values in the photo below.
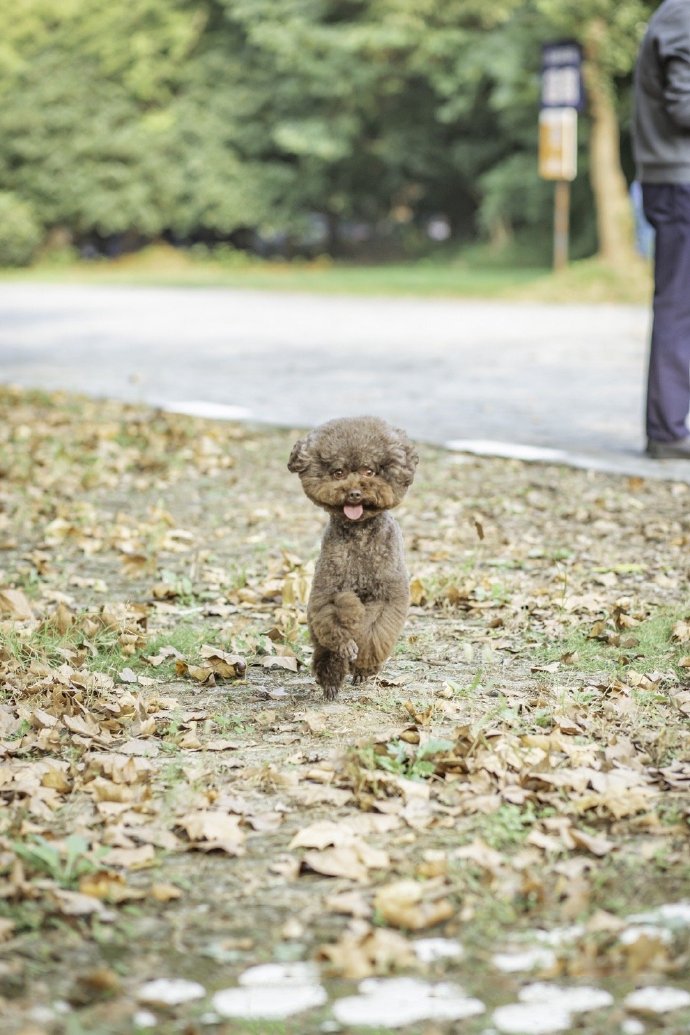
[{"x": 677, "y": 449}]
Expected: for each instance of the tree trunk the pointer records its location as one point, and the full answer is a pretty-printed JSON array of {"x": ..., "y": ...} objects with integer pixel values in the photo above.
[
  {"x": 333, "y": 234},
  {"x": 500, "y": 234},
  {"x": 613, "y": 209}
]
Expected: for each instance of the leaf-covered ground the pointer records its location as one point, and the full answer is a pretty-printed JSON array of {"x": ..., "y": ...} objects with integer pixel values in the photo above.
[{"x": 499, "y": 826}]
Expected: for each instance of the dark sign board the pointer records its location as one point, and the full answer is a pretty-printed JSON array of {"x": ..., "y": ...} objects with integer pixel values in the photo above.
[{"x": 561, "y": 75}]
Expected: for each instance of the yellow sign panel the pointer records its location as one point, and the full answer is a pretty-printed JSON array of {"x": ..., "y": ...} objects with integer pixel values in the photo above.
[{"x": 558, "y": 143}]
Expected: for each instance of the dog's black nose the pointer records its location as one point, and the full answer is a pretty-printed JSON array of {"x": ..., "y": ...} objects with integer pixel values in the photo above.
[{"x": 354, "y": 496}]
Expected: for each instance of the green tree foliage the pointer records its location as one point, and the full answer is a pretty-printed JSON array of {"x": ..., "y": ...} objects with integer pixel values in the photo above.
[
  {"x": 20, "y": 233},
  {"x": 202, "y": 119}
]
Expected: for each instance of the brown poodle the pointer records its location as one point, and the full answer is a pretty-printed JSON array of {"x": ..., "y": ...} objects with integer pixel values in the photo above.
[{"x": 356, "y": 468}]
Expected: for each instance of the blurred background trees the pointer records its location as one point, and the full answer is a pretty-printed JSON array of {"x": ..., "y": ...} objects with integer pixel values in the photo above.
[{"x": 303, "y": 126}]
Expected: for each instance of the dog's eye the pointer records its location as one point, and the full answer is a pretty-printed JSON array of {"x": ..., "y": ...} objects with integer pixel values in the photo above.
[
  {"x": 338, "y": 473},
  {"x": 368, "y": 471}
]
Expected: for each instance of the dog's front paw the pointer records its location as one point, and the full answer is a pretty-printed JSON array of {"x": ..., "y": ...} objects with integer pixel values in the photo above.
[
  {"x": 330, "y": 692},
  {"x": 348, "y": 650}
]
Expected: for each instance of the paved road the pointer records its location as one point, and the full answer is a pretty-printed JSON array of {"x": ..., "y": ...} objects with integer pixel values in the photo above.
[{"x": 501, "y": 375}]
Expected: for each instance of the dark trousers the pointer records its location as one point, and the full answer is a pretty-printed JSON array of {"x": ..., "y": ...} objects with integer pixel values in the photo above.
[{"x": 667, "y": 207}]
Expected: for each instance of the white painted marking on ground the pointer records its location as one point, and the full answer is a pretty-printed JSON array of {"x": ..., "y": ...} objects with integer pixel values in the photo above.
[
  {"x": 579, "y": 999},
  {"x": 170, "y": 992},
  {"x": 675, "y": 914},
  {"x": 559, "y": 935},
  {"x": 633, "y": 934},
  {"x": 657, "y": 999},
  {"x": 631, "y": 463},
  {"x": 210, "y": 410},
  {"x": 428, "y": 950},
  {"x": 397, "y": 1002},
  {"x": 531, "y": 1019},
  {"x": 268, "y": 1002},
  {"x": 527, "y": 959},
  {"x": 281, "y": 974},
  {"x": 631, "y": 1026},
  {"x": 145, "y": 1019},
  {"x": 272, "y": 991},
  {"x": 507, "y": 450}
]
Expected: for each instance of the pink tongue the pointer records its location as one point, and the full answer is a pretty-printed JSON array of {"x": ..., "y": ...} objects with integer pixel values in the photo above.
[{"x": 353, "y": 513}]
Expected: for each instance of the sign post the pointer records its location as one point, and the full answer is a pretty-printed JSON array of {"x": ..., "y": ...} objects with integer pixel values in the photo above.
[{"x": 561, "y": 98}]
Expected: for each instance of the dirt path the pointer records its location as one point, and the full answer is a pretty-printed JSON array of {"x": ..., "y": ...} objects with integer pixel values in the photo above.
[{"x": 180, "y": 804}]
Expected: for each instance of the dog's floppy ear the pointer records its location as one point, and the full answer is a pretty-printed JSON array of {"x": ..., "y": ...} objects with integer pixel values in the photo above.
[
  {"x": 299, "y": 457},
  {"x": 404, "y": 458},
  {"x": 412, "y": 458}
]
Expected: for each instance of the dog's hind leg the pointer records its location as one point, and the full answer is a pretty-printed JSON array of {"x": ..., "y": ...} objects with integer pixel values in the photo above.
[{"x": 330, "y": 670}]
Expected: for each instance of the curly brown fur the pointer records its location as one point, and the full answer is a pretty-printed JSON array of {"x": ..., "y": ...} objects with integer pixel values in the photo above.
[{"x": 357, "y": 469}]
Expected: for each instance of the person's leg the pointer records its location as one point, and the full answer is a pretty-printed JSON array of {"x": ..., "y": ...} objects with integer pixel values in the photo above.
[{"x": 667, "y": 207}]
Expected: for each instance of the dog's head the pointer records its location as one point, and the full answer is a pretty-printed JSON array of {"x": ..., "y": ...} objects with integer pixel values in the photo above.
[{"x": 354, "y": 467}]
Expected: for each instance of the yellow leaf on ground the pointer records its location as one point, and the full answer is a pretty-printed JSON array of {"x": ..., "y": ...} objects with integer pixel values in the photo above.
[
  {"x": 364, "y": 951},
  {"x": 109, "y": 887},
  {"x": 418, "y": 592},
  {"x": 224, "y": 665},
  {"x": 163, "y": 892},
  {"x": 404, "y": 904},
  {"x": 202, "y": 674},
  {"x": 6, "y": 928}
]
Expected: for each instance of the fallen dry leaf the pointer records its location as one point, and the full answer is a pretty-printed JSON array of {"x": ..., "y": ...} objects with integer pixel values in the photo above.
[
  {"x": 349, "y": 903},
  {"x": 222, "y": 664},
  {"x": 290, "y": 664},
  {"x": 76, "y": 903},
  {"x": 131, "y": 858},
  {"x": 320, "y": 835},
  {"x": 210, "y": 829},
  {"x": 15, "y": 603},
  {"x": 352, "y": 859},
  {"x": 109, "y": 887},
  {"x": 364, "y": 951},
  {"x": 598, "y": 846},
  {"x": 337, "y": 862},
  {"x": 163, "y": 892},
  {"x": 412, "y": 905}
]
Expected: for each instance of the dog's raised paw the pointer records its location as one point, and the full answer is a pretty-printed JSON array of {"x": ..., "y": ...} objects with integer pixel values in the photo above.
[{"x": 348, "y": 650}]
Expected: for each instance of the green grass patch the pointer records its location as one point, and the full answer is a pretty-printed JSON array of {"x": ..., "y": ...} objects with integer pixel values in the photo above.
[
  {"x": 645, "y": 647},
  {"x": 189, "y": 636},
  {"x": 411, "y": 761},
  {"x": 102, "y": 652},
  {"x": 474, "y": 272},
  {"x": 64, "y": 863},
  {"x": 507, "y": 827},
  {"x": 159, "y": 265}
]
